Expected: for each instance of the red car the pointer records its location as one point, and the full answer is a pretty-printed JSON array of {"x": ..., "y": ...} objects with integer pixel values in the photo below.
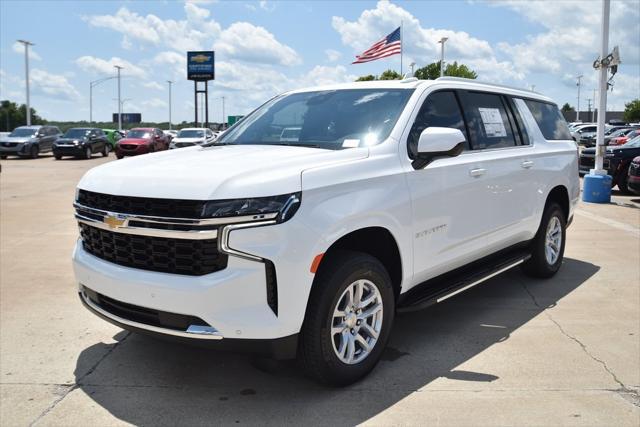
[
  {"x": 621, "y": 140},
  {"x": 141, "y": 141}
]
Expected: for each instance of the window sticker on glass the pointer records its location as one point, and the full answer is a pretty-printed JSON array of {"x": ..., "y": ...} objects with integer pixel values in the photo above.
[
  {"x": 493, "y": 124},
  {"x": 350, "y": 143}
]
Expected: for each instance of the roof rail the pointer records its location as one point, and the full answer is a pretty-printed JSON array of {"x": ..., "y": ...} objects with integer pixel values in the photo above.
[{"x": 462, "y": 79}]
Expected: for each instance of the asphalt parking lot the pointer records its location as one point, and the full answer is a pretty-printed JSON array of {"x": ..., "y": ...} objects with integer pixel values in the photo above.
[{"x": 513, "y": 351}]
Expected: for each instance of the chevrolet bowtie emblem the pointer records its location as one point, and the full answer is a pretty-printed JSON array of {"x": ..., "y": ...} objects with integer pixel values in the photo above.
[{"x": 113, "y": 221}]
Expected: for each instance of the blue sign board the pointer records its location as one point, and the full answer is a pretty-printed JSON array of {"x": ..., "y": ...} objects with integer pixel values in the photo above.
[{"x": 200, "y": 65}]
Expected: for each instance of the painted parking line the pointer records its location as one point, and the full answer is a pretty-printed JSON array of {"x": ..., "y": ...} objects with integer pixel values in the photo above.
[{"x": 634, "y": 231}]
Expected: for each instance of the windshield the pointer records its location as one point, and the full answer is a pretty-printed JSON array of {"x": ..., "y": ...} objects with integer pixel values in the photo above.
[
  {"x": 76, "y": 133},
  {"x": 333, "y": 119},
  {"x": 619, "y": 132},
  {"x": 191, "y": 134},
  {"x": 632, "y": 143},
  {"x": 138, "y": 133},
  {"x": 23, "y": 132}
]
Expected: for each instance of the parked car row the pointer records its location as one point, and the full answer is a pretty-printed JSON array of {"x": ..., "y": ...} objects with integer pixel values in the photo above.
[
  {"x": 617, "y": 162},
  {"x": 585, "y": 133},
  {"x": 31, "y": 141}
]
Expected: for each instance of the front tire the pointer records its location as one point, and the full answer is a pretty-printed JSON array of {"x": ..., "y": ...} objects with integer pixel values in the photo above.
[
  {"x": 34, "y": 151},
  {"x": 88, "y": 153},
  {"x": 349, "y": 317},
  {"x": 623, "y": 182},
  {"x": 105, "y": 150},
  {"x": 547, "y": 247}
]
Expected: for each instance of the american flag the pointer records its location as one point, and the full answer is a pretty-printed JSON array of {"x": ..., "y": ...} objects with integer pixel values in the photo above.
[{"x": 389, "y": 45}]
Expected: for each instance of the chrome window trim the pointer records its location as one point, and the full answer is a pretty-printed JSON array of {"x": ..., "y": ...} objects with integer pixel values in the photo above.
[{"x": 193, "y": 332}]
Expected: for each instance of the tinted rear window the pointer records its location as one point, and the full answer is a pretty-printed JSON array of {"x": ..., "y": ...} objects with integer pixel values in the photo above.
[{"x": 551, "y": 123}]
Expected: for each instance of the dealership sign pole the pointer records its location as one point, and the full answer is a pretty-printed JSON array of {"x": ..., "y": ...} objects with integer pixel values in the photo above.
[{"x": 200, "y": 68}]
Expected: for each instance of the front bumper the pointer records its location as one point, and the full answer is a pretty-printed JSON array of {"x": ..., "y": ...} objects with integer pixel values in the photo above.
[
  {"x": 19, "y": 149},
  {"x": 132, "y": 150},
  {"x": 69, "y": 150}
]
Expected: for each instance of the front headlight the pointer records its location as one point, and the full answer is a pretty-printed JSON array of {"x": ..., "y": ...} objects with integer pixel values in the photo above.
[{"x": 284, "y": 205}]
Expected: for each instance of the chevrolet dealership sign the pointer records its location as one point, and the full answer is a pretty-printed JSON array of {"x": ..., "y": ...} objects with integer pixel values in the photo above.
[{"x": 200, "y": 65}]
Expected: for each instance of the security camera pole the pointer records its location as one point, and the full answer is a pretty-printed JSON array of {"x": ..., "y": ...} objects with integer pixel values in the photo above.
[
  {"x": 26, "y": 78},
  {"x": 118, "y": 67}
]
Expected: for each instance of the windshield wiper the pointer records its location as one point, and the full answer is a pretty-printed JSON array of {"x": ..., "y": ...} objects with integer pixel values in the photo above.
[{"x": 294, "y": 144}]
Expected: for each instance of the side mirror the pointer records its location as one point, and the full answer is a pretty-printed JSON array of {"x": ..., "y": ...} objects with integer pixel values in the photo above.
[{"x": 437, "y": 142}]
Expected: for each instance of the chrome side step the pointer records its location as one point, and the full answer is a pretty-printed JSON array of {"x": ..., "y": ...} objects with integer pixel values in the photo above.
[{"x": 450, "y": 284}]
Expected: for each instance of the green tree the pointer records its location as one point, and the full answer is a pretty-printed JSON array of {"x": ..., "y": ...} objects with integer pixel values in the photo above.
[
  {"x": 632, "y": 111},
  {"x": 368, "y": 78},
  {"x": 13, "y": 115},
  {"x": 566, "y": 107},
  {"x": 390, "y": 75},
  {"x": 432, "y": 71}
]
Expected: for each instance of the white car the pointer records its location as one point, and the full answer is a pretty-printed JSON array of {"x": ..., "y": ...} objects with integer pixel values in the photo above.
[
  {"x": 190, "y": 137},
  {"x": 394, "y": 196}
]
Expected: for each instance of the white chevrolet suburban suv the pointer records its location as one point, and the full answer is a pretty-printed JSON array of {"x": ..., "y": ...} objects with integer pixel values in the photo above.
[{"x": 393, "y": 195}]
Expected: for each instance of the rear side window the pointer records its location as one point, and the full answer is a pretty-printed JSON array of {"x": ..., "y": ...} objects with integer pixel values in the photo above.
[
  {"x": 551, "y": 123},
  {"x": 440, "y": 109},
  {"x": 488, "y": 121}
]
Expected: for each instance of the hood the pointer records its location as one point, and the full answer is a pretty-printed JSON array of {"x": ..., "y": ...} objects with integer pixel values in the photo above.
[
  {"x": 14, "y": 139},
  {"x": 134, "y": 141},
  {"x": 189, "y": 140},
  {"x": 216, "y": 172}
]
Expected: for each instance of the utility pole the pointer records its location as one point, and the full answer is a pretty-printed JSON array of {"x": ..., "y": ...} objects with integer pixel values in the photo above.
[
  {"x": 26, "y": 78},
  {"x": 578, "y": 107},
  {"x": 170, "y": 83},
  {"x": 118, "y": 67},
  {"x": 589, "y": 106},
  {"x": 91, "y": 86},
  {"x": 442, "y": 40}
]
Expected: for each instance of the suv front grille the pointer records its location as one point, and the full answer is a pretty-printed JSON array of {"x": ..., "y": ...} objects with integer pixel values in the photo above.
[
  {"x": 177, "y": 256},
  {"x": 170, "y": 208}
]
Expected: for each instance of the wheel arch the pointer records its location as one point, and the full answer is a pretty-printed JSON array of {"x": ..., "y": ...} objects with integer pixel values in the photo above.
[
  {"x": 376, "y": 241},
  {"x": 560, "y": 195}
]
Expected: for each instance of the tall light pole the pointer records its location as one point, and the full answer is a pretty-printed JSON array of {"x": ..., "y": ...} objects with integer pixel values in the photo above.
[
  {"x": 26, "y": 76},
  {"x": 441, "y": 41},
  {"x": 412, "y": 65},
  {"x": 170, "y": 83},
  {"x": 118, "y": 67},
  {"x": 578, "y": 107},
  {"x": 91, "y": 86}
]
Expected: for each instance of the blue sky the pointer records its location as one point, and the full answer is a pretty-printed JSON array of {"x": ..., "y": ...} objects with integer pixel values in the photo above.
[{"x": 266, "y": 47}]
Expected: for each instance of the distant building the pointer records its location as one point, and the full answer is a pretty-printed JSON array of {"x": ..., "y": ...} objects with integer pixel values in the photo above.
[{"x": 590, "y": 116}]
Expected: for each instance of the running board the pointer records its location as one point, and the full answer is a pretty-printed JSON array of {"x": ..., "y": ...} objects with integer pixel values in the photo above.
[{"x": 450, "y": 284}]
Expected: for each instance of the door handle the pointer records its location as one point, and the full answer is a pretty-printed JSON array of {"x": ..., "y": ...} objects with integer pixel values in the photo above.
[
  {"x": 477, "y": 172},
  {"x": 526, "y": 164}
]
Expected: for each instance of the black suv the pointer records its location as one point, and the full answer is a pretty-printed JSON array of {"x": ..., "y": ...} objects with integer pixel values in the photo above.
[
  {"x": 81, "y": 142},
  {"x": 29, "y": 141},
  {"x": 616, "y": 161}
]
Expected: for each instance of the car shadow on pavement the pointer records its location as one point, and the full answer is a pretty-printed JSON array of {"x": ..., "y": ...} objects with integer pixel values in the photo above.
[{"x": 144, "y": 381}]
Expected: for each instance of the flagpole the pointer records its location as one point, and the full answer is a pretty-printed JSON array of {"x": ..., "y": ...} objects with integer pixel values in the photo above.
[{"x": 401, "y": 50}]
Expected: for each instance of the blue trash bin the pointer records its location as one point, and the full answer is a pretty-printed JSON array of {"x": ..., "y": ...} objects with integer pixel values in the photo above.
[{"x": 596, "y": 189}]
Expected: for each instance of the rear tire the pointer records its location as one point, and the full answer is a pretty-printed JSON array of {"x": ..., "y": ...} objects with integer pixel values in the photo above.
[
  {"x": 334, "y": 337},
  {"x": 547, "y": 247}
]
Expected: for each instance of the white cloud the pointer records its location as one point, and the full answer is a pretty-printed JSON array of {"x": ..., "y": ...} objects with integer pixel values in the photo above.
[
  {"x": 102, "y": 66},
  {"x": 323, "y": 75},
  {"x": 55, "y": 85},
  {"x": 420, "y": 43},
  {"x": 154, "y": 103},
  {"x": 265, "y": 5},
  {"x": 153, "y": 85},
  {"x": 192, "y": 33},
  {"x": 19, "y": 48},
  {"x": 332, "y": 55},
  {"x": 177, "y": 62},
  {"x": 247, "y": 42}
]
